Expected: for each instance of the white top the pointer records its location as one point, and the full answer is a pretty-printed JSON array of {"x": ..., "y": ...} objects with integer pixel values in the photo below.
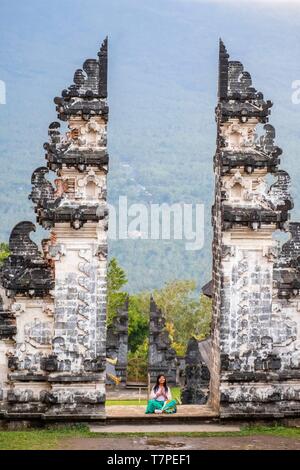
[{"x": 161, "y": 395}]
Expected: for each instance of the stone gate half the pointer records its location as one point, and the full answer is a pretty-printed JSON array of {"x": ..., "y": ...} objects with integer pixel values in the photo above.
[
  {"x": 256, "y": 302},
  {"x": 53, "y": 312}
]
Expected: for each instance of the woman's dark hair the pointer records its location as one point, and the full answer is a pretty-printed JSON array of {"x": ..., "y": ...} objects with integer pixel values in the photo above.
[{"x": 156, "y": 386}]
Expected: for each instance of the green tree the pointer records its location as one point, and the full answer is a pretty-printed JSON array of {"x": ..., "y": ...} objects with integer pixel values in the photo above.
[
  {"x": 116, "y": 280},
  {"x": 138, "y": 362},
  {"x": 4, "y": 252},
  {"x": 186, "y": 314},
  {"x": 138, "y": 317},
  {"x": 138, "y": 340}
]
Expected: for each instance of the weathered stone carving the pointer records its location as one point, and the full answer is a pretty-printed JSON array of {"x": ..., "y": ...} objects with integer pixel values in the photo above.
[
  {"x": 117, "y": 342},
  {"x": 85, "y": 145},
  {"x": 162, "y": 357},
  {"x": 7, "y": 323},
  {"x": 25, "y": 271},
  {"x": 248, "y": 202},
  {"x": 197, "y": 375},
  {"x": 65, "y": 206},
  {"x": 287, "y": 266}
]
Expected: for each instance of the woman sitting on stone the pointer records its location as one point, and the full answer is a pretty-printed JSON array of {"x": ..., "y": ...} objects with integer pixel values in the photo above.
[{"x": 161, "y": 398}]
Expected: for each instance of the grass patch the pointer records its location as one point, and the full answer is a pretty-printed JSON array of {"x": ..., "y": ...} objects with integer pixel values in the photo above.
[
  {"x": 175, "y": 394},
  {"x": 47, "y": 439},
  {"x": 44, "y": 439}
]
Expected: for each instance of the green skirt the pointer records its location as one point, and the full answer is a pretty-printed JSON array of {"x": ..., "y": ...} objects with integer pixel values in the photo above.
[{"x": 158, "y": 405}]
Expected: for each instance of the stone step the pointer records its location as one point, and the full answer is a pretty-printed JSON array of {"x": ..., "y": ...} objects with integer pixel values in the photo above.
[{"x": 162, "y": 428}]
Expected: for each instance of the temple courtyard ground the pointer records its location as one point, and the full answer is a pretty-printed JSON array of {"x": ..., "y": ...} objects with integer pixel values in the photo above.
[
  {"x": 182, "y": 443},
  {"x": 193, "y": 427},
  {"x": 164, "y": 437}
]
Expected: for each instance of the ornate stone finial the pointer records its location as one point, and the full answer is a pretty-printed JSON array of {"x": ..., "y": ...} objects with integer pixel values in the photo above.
[
  {"x": 45, "y": 198},
  {"x": 20, "y": 243},
  {"x": 87, "y": 96},
  {"x": 237, "y": 97},
  {"x": 42, "y": 190},
  {"x": 92, "y": 84},
  {"x": 25, "y": 271},
  {"x": 223, "y": 71},
  {"x": 279, "y": 192},
  {"x": 57, "y": 146},
  {"x": 103, "y": 63}
]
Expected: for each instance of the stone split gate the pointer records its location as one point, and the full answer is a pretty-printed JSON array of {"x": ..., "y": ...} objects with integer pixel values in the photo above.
[{"x": 53, "y": 307}]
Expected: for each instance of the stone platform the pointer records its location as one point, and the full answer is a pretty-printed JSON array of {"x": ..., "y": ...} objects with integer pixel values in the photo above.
[{"x": 185, "y": 413}]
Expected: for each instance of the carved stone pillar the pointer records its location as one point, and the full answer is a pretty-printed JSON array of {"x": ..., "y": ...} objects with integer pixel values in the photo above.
[
  {"x": 252, "y": 355},
  {"x": 77, "y": 211},
  {"x": 53, "y": 335}
]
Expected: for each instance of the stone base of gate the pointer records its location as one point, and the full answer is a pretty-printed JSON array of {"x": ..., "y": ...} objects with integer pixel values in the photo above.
[{"x": 136, "y": 414}]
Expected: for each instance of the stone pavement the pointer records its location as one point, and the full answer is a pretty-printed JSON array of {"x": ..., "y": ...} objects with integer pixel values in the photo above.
[
  {"x": 159, "y": 428},
  {"x": 181, "y": 443}
]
